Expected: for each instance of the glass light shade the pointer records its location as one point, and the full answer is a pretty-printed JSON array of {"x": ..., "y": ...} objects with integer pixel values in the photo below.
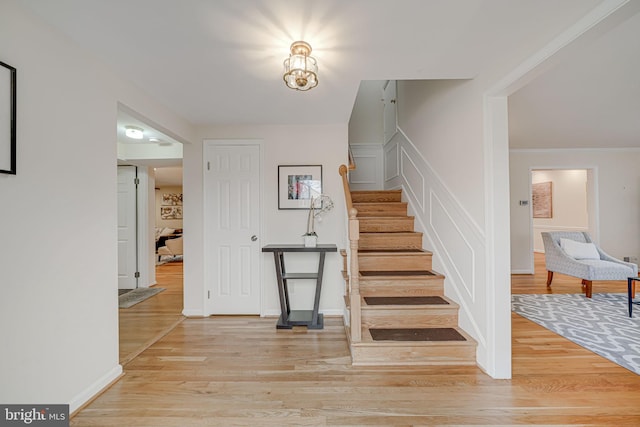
[
  {"x": 133, "y": 132},
  {"x": 300, "y": 69}
]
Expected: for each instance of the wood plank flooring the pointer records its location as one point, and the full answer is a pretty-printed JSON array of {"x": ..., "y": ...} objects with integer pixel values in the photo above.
[
  {"x": 225, "y": 371},
  {"x": 145, "y": 323}
]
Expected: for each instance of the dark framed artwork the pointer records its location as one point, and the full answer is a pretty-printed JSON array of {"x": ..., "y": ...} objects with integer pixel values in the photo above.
[
  {"x": 7, "y": 119},
  {"x": 542, "y": 200},
  {"x": 297, "y": 185}
]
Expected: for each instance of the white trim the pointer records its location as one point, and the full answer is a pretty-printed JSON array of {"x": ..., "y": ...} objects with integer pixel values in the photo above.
[
  {"x": 144, "y": 251},
  {"x": 573, "y": 150},
  {"x": 337, "y": 312},
  {"x": 94, "y": 389},
  {"x": 193, "y": 313},
  {"x": 522, "y": 272}
]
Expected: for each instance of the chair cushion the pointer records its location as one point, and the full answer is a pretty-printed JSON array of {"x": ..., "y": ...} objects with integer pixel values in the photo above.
[
  {"x": 579, "y": 250},
  {"x": 607, "y": 270}
]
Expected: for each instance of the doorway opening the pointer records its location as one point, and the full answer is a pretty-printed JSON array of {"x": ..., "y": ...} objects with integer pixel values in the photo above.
[
  {"x": 562, "y": 200},
  {"x": 156, "y": 158}
]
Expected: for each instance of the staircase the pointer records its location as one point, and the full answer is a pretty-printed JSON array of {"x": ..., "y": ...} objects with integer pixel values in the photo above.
[{"x": 398, "y": 313}]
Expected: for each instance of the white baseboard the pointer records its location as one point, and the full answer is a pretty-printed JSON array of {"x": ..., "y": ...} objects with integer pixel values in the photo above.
[
  {"x": 522, "y": 272},
  {"x": 193, "y": 313},
  {"x": 94, "y": 389},
  {"x": 331, "y": 312}
]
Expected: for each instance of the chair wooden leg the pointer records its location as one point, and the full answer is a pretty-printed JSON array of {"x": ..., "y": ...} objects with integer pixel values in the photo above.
[
  {"x": 549, "y": 278},
  {"x": 588, "y": 286}
]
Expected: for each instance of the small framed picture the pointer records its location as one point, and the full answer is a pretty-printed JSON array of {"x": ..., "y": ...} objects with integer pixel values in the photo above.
[
  {"x": 171, "y": 212},
  {"x": 297, "y": 185},
  {"x": 7, "y": 119}
]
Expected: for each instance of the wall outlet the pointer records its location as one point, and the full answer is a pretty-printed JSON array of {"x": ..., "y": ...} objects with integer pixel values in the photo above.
[{"x": 631, "y": 259}]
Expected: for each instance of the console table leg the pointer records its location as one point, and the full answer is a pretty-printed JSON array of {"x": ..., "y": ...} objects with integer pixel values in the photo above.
[
  {"x": 316, "y": 300},
  {"x": 282, "y": 289},
  {"x": 630, "y": 299}
]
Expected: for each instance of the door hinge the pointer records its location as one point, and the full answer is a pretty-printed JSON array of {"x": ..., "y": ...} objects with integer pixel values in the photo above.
[
  {"x": 208, "y": 294},
  {"x": 208, "y": 166},
  {"x": 136, "y": 181},
  {"x": 136, "y": 274}
]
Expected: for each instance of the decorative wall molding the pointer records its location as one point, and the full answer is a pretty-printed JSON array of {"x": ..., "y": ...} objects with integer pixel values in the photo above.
[
  {"x": 449, "y": 231},
  {"x": 459, "y": 252},
  {"x": 391, "y": 160},
  {"x": 413, "y": 178},
  {"x": 575, "y": 150}
]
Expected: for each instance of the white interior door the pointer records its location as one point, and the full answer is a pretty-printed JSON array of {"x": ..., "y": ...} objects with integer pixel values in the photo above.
[
  {"x": 127, "y": 228},
  {"x": 232, "y": 217}
]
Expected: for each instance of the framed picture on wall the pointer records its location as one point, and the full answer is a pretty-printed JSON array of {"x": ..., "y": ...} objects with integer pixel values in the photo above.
[
  {"x": 297, "y": 185},
  {"x": 7, "y": 119},
  {"x": 542, "y": 200},
  {"x": 171, "y": 199},
  {"x": 171, "y": 212}
]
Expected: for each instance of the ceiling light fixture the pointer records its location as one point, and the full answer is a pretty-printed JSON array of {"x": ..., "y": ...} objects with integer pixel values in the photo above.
[
  {"x": 133, "y": 132},
  {"x": 152, "y": 139},
  {"x": 300, "y": 69}
]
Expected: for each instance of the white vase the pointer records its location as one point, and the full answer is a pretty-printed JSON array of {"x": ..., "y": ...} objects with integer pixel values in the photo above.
[{"x": 310, "y": 241}]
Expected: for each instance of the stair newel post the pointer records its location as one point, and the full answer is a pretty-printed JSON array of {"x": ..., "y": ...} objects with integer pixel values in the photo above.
[{"x": 354, "y": 282}]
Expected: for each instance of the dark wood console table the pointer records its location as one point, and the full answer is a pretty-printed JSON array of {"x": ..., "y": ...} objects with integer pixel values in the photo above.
[{"x": 290, "y": 318}]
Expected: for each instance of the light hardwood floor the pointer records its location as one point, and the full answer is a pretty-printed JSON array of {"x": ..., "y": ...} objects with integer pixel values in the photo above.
[{"x": 242, "y": 371}]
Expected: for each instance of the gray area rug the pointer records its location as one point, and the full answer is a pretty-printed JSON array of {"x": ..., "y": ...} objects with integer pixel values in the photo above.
[
  {"x": 600, "y": 324},
  {"x": 136, "y": 296},
  {"x": 165, "y": 259}
]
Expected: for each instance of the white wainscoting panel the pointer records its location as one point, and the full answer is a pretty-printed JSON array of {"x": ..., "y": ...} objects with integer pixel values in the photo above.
[
  {"x": 456, "y": 240},
  {"x": 368, "y": 172},
  {"x": 457, "y": 249},
  {"x": 391, "y": 160},
  {"x": 413, "y": 178}
]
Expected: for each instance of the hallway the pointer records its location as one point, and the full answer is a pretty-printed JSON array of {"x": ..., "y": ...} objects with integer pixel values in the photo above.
[{"x": 147, "y": 322}]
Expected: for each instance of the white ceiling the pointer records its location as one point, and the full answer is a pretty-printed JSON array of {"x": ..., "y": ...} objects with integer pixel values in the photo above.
[
  {"x": 591, "y": 100},
  {"x": 220, "y": 62}
]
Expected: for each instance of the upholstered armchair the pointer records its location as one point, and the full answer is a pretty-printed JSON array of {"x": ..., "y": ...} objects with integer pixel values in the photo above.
[
  {"x": 172, "y": 247},
  {"x": 573, "y": 253}
]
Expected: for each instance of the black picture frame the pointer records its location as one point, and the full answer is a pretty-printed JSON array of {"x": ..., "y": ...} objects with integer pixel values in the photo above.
[
  {"x": 8, "y": 158},
  {"x": 297, "y": 185}
]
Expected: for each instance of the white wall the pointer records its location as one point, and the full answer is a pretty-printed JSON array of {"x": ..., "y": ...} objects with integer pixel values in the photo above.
[
  {"x": 58, "y": 309},
  {"x": 447, "y": 193},
  {"x": 365, "y": 123},
  {"x": 617, "y": 183},
  {"x": 283, "y": 145},
  {"x": 569, "y": 203}
]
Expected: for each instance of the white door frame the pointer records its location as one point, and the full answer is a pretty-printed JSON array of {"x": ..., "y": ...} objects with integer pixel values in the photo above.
[
  {"x": 593, "y": 210},
  {"x": 233, "y": 142}
]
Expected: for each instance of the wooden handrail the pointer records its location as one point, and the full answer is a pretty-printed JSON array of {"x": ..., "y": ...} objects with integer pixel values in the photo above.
[
  {"x": 353, "y": 290},
  {"x": 352, "y": 161}
]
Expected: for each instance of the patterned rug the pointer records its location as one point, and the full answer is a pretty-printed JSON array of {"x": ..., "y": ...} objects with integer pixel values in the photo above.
[
  {"x": 136, "y": 296},
  {"x": 600, "y": 324}
]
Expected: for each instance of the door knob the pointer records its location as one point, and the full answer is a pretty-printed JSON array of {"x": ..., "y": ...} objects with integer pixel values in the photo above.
[{"x": 254, "y": 238}]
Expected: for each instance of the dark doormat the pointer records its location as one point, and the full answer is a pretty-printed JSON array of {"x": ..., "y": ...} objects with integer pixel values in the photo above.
[
  {"x": 405, "y": 300},
  {"x": 398, "y": 273},
  {"x": 417, "y": 334}
]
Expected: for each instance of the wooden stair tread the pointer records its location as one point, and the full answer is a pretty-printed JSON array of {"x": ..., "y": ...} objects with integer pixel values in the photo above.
[
  {"x": 367, "y": 341},
  {"x": 393, "y": 251},
  {"x": 408, "y": 273},
  {"x": 406, "y": 301},
  {"x": 417, "y": 334}
]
